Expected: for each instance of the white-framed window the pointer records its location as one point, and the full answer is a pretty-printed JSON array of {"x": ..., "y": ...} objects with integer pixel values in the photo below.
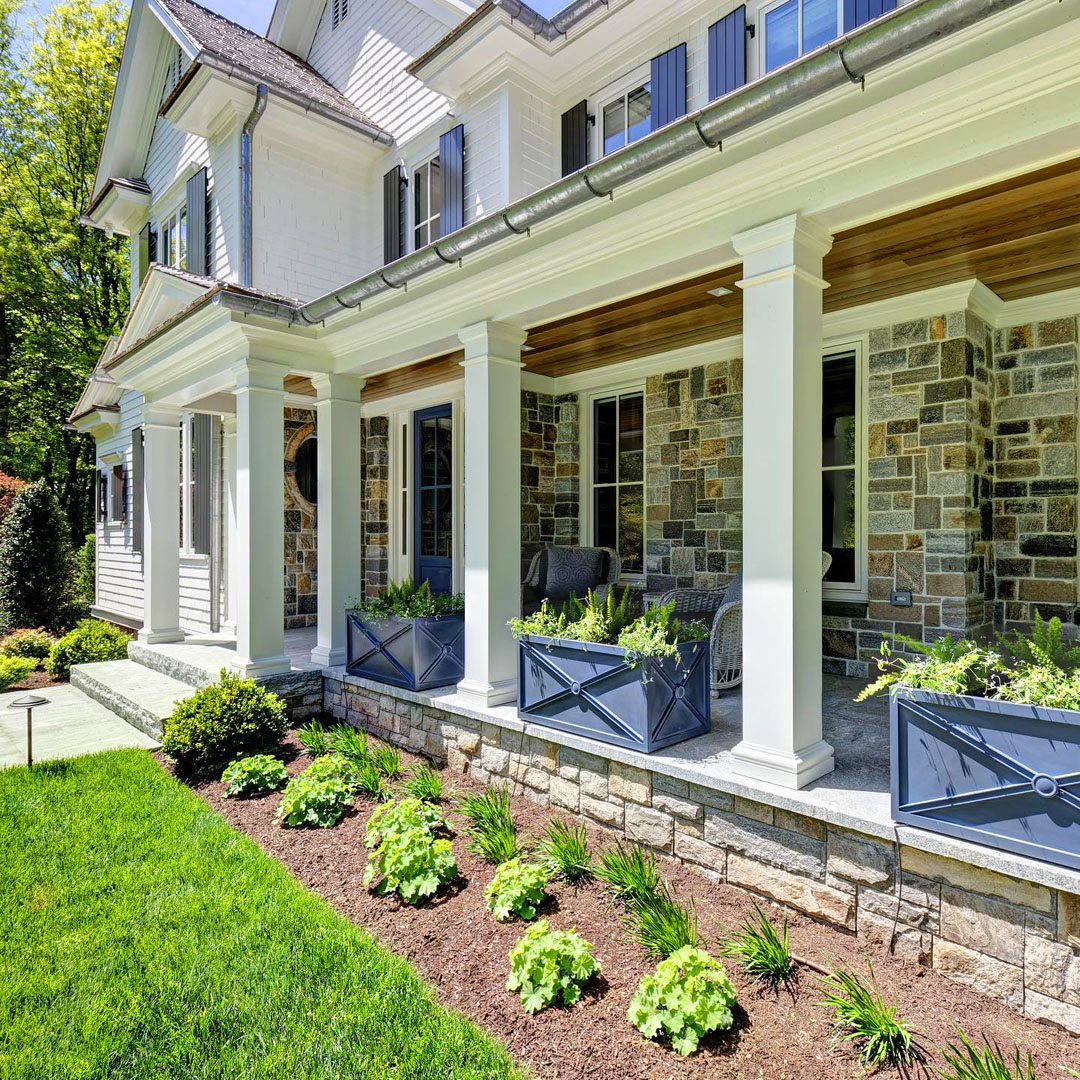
[
  {"x": 426, "y": 183},
  {"x": 172, "y": 238},
  {"x": 789, "y": 28},
  {"x": 339, "y": 10},
  {"x": 843, "y": 472},
  {"x": 624, "y": 111},
  {"x": 615, "y": 475}
]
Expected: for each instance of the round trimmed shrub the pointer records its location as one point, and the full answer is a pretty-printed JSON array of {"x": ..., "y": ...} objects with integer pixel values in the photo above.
[
  {"x": 13, "y": 669},
  {"x": 33, "y": 643},
  {"x": 91, "y": 642},
  {"x": 224, "y": 720}
]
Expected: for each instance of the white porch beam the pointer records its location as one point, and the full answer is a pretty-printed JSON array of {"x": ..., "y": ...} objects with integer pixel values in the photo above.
[
  {"x": 492, "y": 509},
  {"x": 260, "y": 518},
  {"x": 161, "y": 524},
  {"x": 340, "y": 509},
  {"x": 781, "y": 703}
]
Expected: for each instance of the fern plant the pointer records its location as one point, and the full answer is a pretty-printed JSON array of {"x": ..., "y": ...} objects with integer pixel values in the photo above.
[
  {"x": 761, "y": 950},
  {"x": 968, "y": 1062},
  {"x": 407, "y": 600},
  {"x": 517, "y": 889},
  {"x": 1045, "y": 645},
  {"x": 944, "y": 665}
]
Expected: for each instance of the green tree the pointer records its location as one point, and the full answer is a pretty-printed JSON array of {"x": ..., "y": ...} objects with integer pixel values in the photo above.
[
  {"x": 37, "y": 564},
  {"x": 63, "y": 286}
]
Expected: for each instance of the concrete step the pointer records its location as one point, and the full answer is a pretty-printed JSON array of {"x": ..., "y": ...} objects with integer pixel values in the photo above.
[
  {"x": 137, "y": 694},
  {"x": 197, "y": 665}
]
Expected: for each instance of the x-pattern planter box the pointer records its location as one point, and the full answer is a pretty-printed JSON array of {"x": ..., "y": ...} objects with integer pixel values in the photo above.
[
  {"x": 598, "y": 691},
  {"x": 416, "y": 654},
  {"x": 997, "y": 773}
]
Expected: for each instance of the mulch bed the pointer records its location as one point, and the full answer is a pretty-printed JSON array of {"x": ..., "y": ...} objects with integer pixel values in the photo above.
[
  {"x": 457, "y": 945},
  {"x": 38, "y": 680}
]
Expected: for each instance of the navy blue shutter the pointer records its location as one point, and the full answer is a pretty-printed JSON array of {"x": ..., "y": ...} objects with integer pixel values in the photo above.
[
  {"x": 668, "y": 80},
  {"x": 727, "y": 53},
  {"x": 196, "y": 224},
  {"x": 452, "y": 167},
  {"x": 857, "y": 12},
  {"x": 575, "y": 138},
  {"x": 394, "y": 186}
]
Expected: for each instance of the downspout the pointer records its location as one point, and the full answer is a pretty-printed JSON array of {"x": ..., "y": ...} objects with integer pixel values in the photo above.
[{"x": 245, "y": 182}]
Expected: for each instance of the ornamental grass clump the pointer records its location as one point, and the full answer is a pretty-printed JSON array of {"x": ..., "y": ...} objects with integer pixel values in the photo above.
[
  {"x": 320, "y": 795},
  {"x": 408, "y": 858},
  {"x": 630, "y": 872},
  {"x": 349, "y": 742},
  {"x": 491, "y": 826},
  {"x": 564, "y": 852},
  {"x": 407, "y": 600},
  {"x": 861, "y": 1016},
  {"x": 687, "y": 996},
  {"x": 517, "y": 890},
  {"x": 660, "y": 924},
  {"x": 425, "y": 784},
  {"x": 222, "y": 721},
  {"x": 253, "y": 775},
  {"x": 762, "y": 950},
  {"x": 968, "y": 1062},
  {"x": 387, "y": 759},
  {"x": 371, "y": 782},
  {"x": 313, "y": 739},
  {"x": 547, "y": 966}
]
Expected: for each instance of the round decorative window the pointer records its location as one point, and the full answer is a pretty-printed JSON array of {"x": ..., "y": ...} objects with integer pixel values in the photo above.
[{"x": 307, "y": 469}]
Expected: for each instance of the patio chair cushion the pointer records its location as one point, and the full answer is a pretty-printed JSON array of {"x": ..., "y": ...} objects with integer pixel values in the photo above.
[
  {"x": 733, "y": 593},
  {"x": 573, "y": 570}
]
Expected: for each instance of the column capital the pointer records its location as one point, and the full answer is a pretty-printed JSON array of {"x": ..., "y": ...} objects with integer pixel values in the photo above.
[
  {"x": 156, "y": 415},
  {"x": 793, "y": 229},
  {"x": 493, "y": 341},
  {"x": 253, "y": 374},
  {"x": 330, "y": 387}
]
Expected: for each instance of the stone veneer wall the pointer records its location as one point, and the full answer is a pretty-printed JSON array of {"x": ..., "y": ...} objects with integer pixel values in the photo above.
[
  {"x": 549, "y": 472},
  {"x": 1002, "y": 936},
  {"x": 301, "y": 566},
  {"x": 375, "y": 478},
  {"x": 693, "y": 482},
  {"x": 1035, "y": 475}
]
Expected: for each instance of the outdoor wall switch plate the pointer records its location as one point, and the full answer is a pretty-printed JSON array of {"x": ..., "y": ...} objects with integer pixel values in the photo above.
[{"x": 900, "y": 598}]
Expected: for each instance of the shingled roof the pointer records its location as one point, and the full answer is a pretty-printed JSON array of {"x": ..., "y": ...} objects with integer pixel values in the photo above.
[{"x": 224, "y": 40}]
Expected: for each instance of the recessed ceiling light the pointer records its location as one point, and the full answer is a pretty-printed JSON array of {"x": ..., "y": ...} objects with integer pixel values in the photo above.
[{"x": 719, "y": 291}]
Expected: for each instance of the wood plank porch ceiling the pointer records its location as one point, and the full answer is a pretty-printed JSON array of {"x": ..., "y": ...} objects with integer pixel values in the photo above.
[{"x": 1020, "y": 237}]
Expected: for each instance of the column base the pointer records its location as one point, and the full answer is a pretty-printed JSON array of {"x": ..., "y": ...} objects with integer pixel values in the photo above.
[
  {"x": 484, "y": 695},
  {"x": 258, "y": 669},
  {"x": 160, "y": 637},
  {"x": 783, "y": 769},
  {"x": 325, "y": 656}
]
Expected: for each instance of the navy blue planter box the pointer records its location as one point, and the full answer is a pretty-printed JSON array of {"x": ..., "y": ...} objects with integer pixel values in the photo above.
[
  {"x": 412, "y": 653},
  {"x": 591, "y": 690},
  {"x": 999, "y": 774}
]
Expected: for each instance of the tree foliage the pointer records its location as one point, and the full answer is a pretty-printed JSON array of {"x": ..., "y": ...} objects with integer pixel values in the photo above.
[{"x": 63, "y": 286}]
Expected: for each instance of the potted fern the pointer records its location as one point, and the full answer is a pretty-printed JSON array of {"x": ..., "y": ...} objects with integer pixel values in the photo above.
[
  {"x": 986, "y": 741},
  {"x": 410, "y": 637},
  {"x": 594, "y": 669}
]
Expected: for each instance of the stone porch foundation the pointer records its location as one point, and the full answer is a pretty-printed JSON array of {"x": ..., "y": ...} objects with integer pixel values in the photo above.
[{"x": 1016, "y": 940}]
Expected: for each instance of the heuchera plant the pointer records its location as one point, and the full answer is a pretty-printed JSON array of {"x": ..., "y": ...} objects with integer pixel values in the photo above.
[
  {"x": 687, "y": 996},
  {"x": 546, "y": 965},
  {"x": 517, "y": 889}
]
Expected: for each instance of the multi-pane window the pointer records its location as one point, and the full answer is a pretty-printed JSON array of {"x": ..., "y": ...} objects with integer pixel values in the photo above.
[
  {"x": 627, "y": 117},
  {"x": 618, "y": 476},
  {"x": 841, "y": 524},
  {"x": 339, "y": 9},
  {"x": 427, "y": 198},
  {"x": 172, "y": 238},
  {"x": 795, "y": 27}
]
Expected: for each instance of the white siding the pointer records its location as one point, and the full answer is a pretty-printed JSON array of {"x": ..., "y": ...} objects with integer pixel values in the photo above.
[
  {"x": 366, "y": 56},
  {"x": 195, "y": 593}
]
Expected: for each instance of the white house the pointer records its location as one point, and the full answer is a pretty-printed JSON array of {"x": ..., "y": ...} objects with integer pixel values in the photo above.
[{"x": 809, "y": 268}]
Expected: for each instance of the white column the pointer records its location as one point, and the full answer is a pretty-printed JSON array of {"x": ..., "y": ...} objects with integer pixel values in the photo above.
[
  {"x": 260, "y": 519},
  {"x": 781, "y": 699},
  {"x": 340, "y": 509},
  {"x": 161, "y": 524},
  {"x": 231, "y": 562},
  {"x": 492, "y": 509}
]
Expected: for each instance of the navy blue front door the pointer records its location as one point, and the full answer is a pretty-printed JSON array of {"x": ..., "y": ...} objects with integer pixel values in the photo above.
[{"x": 433, "y": 484}]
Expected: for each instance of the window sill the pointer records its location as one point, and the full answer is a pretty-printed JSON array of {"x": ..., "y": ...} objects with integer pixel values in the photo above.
[{"x": 193, "y": 556}]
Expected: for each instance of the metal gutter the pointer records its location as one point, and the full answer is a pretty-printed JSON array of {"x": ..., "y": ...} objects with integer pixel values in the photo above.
[
  {"x": 246, "y": 226},
  {"x": 847, "y": 60}
]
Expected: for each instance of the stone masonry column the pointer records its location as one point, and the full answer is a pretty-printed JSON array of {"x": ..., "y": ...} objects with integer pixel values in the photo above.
[
  {"x": 161, "y": 524},
  {"x": 260, "y": 518},
  {"x": 492, "y": 509},
  {"x": 340, "y": 509},
  {"x": 781, "y": 708}
]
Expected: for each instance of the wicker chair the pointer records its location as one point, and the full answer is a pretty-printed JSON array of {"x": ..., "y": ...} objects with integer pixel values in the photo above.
[
  {"x": 725, "y": 638},
  {"x": 534, "y": 589}
]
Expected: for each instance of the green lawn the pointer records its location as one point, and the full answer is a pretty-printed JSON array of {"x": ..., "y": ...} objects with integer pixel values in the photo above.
[{"x": 141, "y": 937}]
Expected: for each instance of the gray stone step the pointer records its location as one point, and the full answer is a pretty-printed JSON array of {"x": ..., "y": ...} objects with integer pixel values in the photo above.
[
  {"x": 196, "y": 665},
  {"x": 141, "y": 696}
]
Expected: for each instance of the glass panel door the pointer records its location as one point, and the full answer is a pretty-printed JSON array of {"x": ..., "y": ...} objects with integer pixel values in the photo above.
[{"x": 433, "y": 487}]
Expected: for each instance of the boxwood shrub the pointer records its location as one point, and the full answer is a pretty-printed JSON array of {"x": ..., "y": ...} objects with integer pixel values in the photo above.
[
  {"x": 91, "y": 641},
  {"x": 224, "y": 720}
]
